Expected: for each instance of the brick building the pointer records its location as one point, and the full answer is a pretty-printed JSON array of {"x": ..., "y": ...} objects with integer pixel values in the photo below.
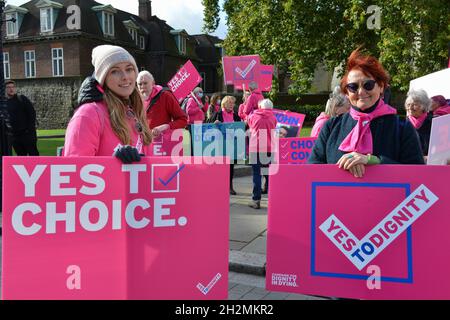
[{"x": 47, "y": 50}]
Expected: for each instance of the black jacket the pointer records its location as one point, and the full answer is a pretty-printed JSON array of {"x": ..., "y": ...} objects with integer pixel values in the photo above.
[
  {"x": 394, "y": 141},
  {"x": 425, "y": 132},
  {"x": 89, "y": 92},
  {"x": 22, "y": 116}
]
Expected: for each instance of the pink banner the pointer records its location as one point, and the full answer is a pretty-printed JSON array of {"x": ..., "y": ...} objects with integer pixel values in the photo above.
[
  {"x": 291, "y": 122},
  {"x": 295, "y": 150},
  {"x": 439, "y": 148},
  {"x": 164, "y": 146},
  {"x": 186, "y": 79},
  {"x": 241, "y": 70},
  {"x": 381, "y": 237},
  {"x": 92, "y": 228},
  {"x": 266, "y": 77}
]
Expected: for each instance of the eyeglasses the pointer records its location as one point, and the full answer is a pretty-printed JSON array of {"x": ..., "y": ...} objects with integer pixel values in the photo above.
[
  {"x": 368, "y": 85},
  {"x": 131, "y": 115}
]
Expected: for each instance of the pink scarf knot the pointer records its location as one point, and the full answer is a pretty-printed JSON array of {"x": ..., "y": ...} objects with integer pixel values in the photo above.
[{"x": 417, "y": 122}]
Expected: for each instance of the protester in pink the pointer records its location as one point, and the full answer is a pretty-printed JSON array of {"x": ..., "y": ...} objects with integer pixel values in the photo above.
[
  {"x": 262, "y": 123},
  {"x": 242, "y": 106},
  {"x": 337, "y": 104},
  {"x": 251, "y": 104},
  {"x": 439, "y": 106},
  {"x": 195, "y": 108},
  {"x": 116, "y": 123}
]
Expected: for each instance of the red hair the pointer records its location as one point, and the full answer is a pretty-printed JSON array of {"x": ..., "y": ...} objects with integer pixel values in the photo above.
[{"x": 369, "y": 65}]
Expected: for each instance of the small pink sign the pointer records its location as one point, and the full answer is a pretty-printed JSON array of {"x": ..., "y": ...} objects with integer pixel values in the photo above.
[
  {"x": 186, "y": 79},
  {"x": 381, "y": 237},
  {"x": 292, "y": 122},
  {"x": 94, "y": 228},
  {"x": 266, "y": 78},
  {"x": 295, "y": 150},
  {"x": 241, "y": 70},
  {"x": 166, "y": 146},
  {"x": 439, "y": 148}
]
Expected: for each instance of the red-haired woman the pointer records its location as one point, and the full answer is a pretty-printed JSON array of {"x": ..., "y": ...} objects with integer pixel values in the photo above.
[{"x": 371, "y": 133}]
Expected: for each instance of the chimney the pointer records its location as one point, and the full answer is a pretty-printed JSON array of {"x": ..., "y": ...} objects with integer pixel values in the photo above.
[{"x": 145, "y": 9}]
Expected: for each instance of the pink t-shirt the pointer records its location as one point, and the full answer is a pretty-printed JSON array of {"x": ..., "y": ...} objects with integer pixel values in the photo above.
[
  {"x": 194, "y": 111},
  {"x": 89, "y": 133}
]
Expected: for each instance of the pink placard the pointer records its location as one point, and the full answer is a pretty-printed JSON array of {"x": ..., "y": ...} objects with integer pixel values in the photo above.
[
  {"x": 186, "y": 79},
  {"x": 167, "y": 144},
  {"x": 241, "y": 70},
  {"x": 439, "y": 148},
  {"x": 295, "y": 150},
  {"x": 381, "y": 237},
  {"x": 266, "y": 78},
  {"x": 291, "y": 121},
  {"x": 92, "y": 228}
]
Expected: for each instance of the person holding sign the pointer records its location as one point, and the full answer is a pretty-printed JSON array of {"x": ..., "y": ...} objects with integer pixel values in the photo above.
[
  {"x": 251, "y": 104},
  {"x": 195, "y": 108},
  {"x": 242, "y": 106},
  {"x": 371, "y": 133},
  {"x": 439, "y": 106},
  {"x": 337, "y": 104},
  {"x": 113, "y": 123},
  {"x": 163, "y": 110},
  {"x": 227, "y": 115},
  {"x": 262, "y": 125},
  {"x": 417, "y": 105}
]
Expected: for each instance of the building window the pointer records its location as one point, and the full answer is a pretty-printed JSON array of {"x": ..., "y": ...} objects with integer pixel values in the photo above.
[
  {"x": 108, "y": 23},
  {"x": 30, "y": 64},
  {"x": 58, "y": 62},
  {"x": 11, "y": 27},
  {"x": 181, "y": 43},
  {"x": 6, "y": 67},
  {"x": 46, "y": 20},
  {"x": 133, "y": 34},
  {"x": 142, "y": 42}
]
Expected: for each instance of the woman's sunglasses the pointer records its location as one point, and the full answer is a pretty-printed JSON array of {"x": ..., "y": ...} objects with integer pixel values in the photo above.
[{"x": 368, "y": 85}]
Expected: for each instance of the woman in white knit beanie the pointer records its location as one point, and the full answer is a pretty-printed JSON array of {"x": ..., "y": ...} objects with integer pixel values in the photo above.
[{"x": 116, "y": 123}]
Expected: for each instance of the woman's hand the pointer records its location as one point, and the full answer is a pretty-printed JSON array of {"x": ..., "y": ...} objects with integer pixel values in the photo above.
[
  {"x": 354, "y": 162},
  {"x": 160, "y": 129}
]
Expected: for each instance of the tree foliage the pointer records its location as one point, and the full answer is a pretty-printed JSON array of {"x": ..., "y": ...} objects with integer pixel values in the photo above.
[{"x": 298, "y": 35}]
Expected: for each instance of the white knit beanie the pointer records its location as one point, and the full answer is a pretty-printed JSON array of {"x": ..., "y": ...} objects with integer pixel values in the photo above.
[{"x": 104, "y": 57}]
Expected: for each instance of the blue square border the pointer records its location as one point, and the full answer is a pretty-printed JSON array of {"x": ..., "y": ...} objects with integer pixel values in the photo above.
[{"x": 316, "y": 185}]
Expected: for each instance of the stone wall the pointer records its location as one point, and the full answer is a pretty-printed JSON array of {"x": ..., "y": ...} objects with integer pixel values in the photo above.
[{"x": 53, "y": 99}]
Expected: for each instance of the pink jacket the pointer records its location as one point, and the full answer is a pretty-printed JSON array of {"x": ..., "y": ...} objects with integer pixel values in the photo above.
[
  {"x": 89, "y": 132},
  {"x": 241, "y": 113},
  {"x": 441, "y": 111},
  {"x": 259, "y": 121},
  {"x": 194, "y": 111},
  {"x": 318, "y": 125},
  {"x": 252, "y": 102}
]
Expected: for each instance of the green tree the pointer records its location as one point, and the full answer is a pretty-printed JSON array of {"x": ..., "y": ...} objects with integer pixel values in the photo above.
[{"x": 298, "y": 35}]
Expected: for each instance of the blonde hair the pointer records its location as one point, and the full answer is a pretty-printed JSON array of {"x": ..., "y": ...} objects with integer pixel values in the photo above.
[
  {"x": 117, "y": 114},
  {"x": 226, "y": 100}
]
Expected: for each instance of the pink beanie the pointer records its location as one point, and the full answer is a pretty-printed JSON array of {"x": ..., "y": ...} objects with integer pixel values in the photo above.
[{"x": 104, "y": 57}]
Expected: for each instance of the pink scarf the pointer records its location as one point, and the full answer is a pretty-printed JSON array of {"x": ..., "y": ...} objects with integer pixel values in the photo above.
[
  {"x": 360, "y": 138},
  {"x": 227, "y": 116},
  {"x": 418, "y": 122},
  {"x": 442, "y": 111}
]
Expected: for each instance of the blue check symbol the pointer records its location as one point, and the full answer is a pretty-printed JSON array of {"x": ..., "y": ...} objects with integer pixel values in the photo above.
[{"x": 165, "y": 183}]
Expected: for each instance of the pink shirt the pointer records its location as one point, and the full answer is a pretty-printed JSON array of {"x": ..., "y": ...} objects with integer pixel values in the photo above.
[
  {"x": 89, "y": 133},
  {"x": 318, "y": 125},
  {"x": 241, "y": 113},
  {"x": 262, "y": 123},
  {"x": 227, "y": 116},
  {"x": 194, "y": 111},
  {"x": 251, "y": 104}
]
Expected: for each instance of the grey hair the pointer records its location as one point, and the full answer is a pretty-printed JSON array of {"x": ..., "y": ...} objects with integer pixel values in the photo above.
[
  {"x": 253, "y": 85},
  {"x": 145, "y": 74},
  {"x": 265, "y": 104},
  {"x": 196, "y": 90},
  {"x": 420, "y": 97},
  {"x": 337, "y": 99}
]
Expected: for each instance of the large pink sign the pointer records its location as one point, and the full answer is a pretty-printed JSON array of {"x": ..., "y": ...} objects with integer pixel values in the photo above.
[
  {"x": 266, "y": 77},
  {"x": 93, "y": 228},
  {"x": 381, "y": 237},
  {"x": 295, "y": 150},
  {"x": 241, "y": 70},
  {"x": 186, "y": 79},
  {"x": 439, "y": 148}
]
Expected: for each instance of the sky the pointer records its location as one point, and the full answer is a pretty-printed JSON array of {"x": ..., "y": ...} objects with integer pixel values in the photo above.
[{"x": 179, "y": 14}]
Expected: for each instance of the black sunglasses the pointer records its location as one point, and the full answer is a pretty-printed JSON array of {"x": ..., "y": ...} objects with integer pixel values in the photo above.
[{"x": 368, "y": 85}]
